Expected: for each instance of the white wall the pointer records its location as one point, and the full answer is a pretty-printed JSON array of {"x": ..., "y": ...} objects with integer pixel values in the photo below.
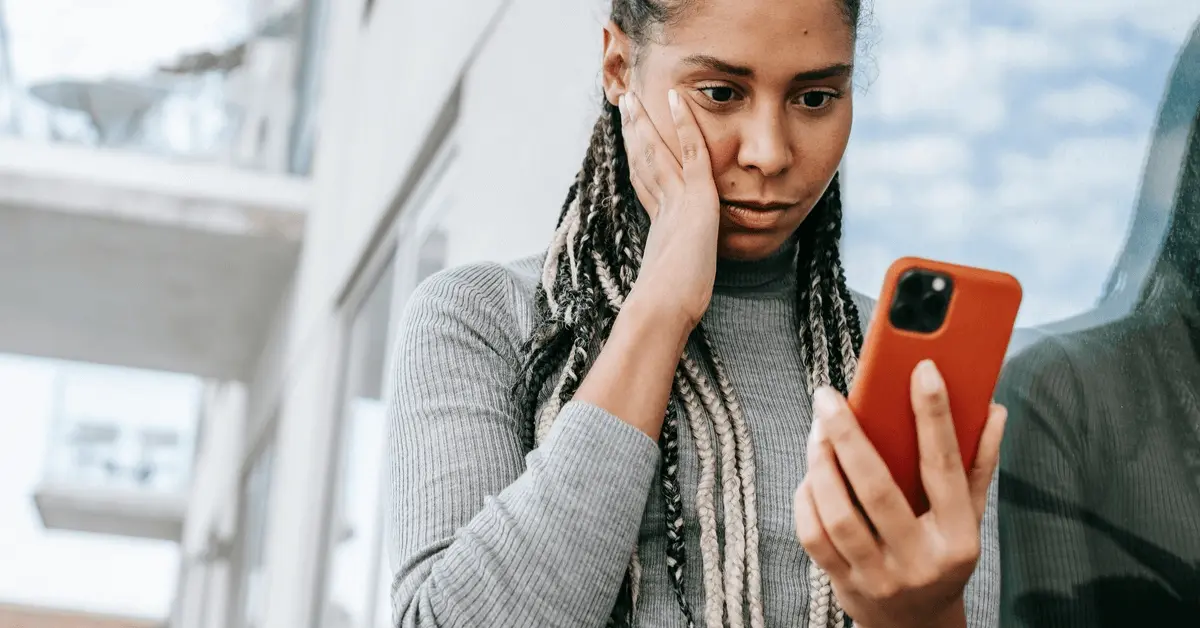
[{"x": 529, "y": 102}]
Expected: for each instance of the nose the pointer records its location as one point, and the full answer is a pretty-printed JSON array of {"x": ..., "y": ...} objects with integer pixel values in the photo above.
[{"x": 765, "y": 144}]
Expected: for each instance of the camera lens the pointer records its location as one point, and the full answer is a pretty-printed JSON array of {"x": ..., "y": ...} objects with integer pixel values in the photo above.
[
  {"x": 904, "y": 316},
  {"x": 911, "y": 285},
  {"x": 934, "y": 304}
]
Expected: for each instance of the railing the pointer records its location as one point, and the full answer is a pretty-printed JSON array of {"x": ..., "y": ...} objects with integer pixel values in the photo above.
[{"x": 222, "y": 93}]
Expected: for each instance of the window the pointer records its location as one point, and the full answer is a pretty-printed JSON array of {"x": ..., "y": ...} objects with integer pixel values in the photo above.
[
  {"x": 1010, "y": 136},
  {"x": 252, "y": 588},
  {"x": 355, "y": 527}
]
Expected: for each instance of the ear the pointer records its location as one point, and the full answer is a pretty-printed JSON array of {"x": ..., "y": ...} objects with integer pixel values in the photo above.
[{"x": 617, "y": 62}]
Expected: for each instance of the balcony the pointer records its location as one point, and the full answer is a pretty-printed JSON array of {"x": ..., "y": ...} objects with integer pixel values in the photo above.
[
  {"x": 119, "y": 456},
  {"x": 225, "y": 82},
  {"x": 153, "y": 193}
]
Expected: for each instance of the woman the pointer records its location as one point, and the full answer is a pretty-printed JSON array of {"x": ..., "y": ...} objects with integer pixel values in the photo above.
[{"x": 629, "y": 480}]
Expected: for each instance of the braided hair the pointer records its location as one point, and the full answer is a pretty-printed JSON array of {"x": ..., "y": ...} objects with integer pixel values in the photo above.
[{"x": 589, "y": 270}]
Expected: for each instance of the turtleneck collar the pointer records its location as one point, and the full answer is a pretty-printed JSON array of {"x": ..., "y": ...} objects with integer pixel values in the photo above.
[{"x": 773, "y": 274}]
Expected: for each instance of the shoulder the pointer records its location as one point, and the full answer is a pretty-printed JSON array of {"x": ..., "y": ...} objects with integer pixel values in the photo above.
[
  {"x": 481, "y": 301},
  {"x": 865, "y": 306}
]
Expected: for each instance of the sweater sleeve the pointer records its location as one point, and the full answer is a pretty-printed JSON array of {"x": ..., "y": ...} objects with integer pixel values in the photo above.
[{"x": 484, "y": 533}]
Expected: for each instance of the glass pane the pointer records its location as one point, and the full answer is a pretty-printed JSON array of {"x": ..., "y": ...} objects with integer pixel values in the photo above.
[
  {"x": 355, "y": 530},
  {"x": 255, "y": 498},
  {"x": 125, "y": 429},
  {"x": 1007, "y": 135}
]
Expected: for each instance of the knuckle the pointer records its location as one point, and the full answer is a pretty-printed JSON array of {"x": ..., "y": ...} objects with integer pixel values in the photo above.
[
  {"x": 879, "y": 495},
  {"x": 962, "y": 555},
  {"x": 810, "y": 539},
  {"x": 941, "y": 462},
  {"x": 883, "y": 587},
  {"x": 837, "y": 429},
  {"x": 936, "y": 403},
  {"x": 917, "y": 578},
  {"x": 689, "y": 150},
  {"x": 842, "y": 525}
]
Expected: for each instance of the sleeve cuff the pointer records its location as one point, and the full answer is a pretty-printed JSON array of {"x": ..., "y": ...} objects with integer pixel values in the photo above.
[{"x": 599, "y": 453}]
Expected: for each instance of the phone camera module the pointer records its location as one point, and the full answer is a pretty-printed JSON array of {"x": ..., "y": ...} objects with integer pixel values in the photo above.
[{"x": 921, "y": 301}]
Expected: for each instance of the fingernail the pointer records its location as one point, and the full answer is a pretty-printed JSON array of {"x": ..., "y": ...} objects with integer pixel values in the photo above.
[
  {"x": 930, "y": 378},
  {"x": 673, "y": 99},
  {"x": 825, "y": 403},
  {"x": 621, "y": 103}
]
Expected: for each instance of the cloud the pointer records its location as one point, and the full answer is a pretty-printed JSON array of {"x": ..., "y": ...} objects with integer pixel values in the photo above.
[
  {"x": 988, "y": 138},
  {"x": 916, "y": 155},
  {"x": 1090, "y": 103},
  {"x": 1166, "y": 20},
  {"x": 1056, "y": 218}
]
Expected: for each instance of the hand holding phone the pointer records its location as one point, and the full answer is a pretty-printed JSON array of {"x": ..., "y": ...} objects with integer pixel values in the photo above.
[
  {"x": 962, "y": 319},
  {"x": 904, "y": 554}
]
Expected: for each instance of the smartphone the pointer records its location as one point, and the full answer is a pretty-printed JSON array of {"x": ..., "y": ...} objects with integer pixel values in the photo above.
[{"x": 960, "y": 317}]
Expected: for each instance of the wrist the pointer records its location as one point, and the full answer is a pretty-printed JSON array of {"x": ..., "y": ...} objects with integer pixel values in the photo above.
[
  {"x": 642, "y": 310},
  {"x": 953, "y": 616}
]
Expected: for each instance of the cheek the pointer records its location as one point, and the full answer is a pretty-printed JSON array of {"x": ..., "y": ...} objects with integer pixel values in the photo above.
[{"x": 723, "y": 141}]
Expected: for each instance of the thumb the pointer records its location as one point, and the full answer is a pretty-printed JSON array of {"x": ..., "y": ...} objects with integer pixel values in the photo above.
[{"x": 693, "y": 153}]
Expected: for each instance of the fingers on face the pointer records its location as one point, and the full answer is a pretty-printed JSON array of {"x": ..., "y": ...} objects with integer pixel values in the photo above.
[
  {"x": 696, "y": 164},
  {"x": 650, "y": 162}
]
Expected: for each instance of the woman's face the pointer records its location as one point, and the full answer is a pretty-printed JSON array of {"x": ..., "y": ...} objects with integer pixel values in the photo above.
[{"x": 770, "y": 84}]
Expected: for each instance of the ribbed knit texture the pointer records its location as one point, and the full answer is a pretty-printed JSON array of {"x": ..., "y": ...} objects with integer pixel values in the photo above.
[
  {"x": 1100, "y": 482},
  {"x": 484, "y": 533}
]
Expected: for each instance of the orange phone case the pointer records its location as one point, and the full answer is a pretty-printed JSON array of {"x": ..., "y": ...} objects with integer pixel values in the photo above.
[{"x": 968, "y": 350}]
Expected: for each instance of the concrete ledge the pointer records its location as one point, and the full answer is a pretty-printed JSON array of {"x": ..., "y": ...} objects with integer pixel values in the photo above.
[
  {"x": 124, "y": 186},
  {"x": 137, "y": 514}
]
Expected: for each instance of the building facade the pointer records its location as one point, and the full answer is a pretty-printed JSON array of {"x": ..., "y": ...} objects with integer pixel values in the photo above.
[{"x": 432, "y": 116}]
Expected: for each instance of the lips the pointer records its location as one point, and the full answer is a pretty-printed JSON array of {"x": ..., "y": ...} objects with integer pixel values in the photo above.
[
  {"x": 755, "y": 217},
  {"x": 758, "y": 206}
]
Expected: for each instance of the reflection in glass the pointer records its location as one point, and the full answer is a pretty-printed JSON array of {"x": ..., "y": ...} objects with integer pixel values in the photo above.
[{"x": 1100, "y": 470}]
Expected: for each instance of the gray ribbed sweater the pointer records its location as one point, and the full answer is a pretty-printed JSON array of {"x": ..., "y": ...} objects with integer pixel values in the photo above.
[{"x": 484, "y": 533}]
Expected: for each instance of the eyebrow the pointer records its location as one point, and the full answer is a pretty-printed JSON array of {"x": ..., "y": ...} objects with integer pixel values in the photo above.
[{"x": 707, "y": 62}]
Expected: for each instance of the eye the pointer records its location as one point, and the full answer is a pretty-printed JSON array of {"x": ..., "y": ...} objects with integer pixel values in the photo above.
[
  {"x": 817, "y": 99},
  {"x": 719, "y": 93}
]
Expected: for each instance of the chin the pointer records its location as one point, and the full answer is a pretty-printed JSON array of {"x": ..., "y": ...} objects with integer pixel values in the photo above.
[{"x": 748, "y": 246}]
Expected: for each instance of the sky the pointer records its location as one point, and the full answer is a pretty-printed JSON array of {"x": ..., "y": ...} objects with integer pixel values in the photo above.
[
  {"x": 1008, "y": 135},
  {"x": 1004, "y": 134}
]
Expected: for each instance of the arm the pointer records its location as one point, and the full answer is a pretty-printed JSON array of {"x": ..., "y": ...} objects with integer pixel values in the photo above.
[
  {"x": 481, "y": 534},
  {"x": 1042, "y": 485}
]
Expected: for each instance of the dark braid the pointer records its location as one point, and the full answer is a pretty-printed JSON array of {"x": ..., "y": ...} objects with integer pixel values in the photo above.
[{"x": 589, "y": 270}]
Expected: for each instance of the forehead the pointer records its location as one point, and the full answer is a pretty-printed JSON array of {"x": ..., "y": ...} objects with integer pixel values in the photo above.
[{"x": 783, "y": 35}]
